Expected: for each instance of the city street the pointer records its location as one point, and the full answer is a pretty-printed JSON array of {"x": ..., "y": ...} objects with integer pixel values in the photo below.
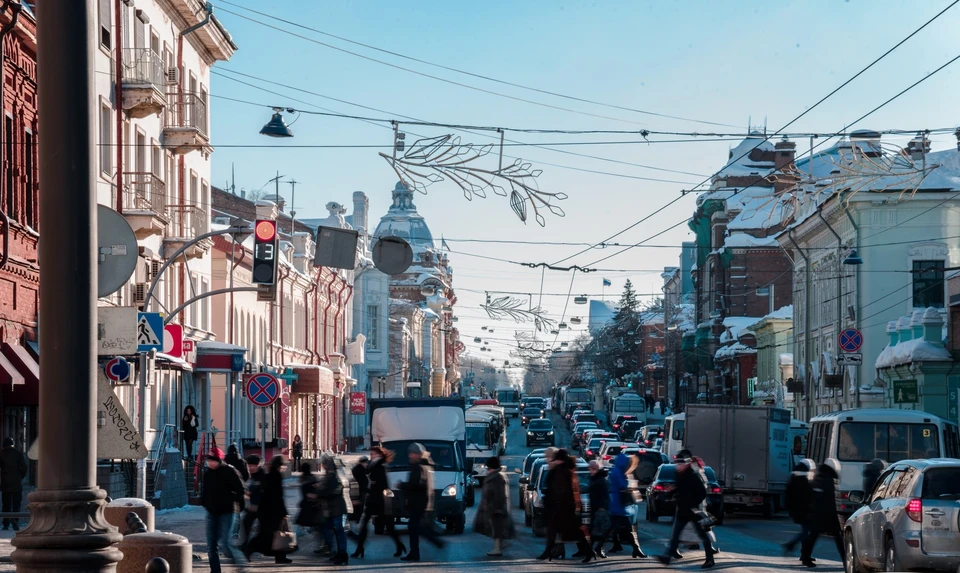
[{"x": 747, "y": 543}]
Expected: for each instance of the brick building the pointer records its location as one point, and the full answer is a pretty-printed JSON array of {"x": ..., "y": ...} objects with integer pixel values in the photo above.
[{"x": 19, "y": 266}]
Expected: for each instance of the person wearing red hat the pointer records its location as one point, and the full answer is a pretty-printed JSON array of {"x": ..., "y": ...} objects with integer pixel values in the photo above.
[{"x": 222, "y": 497}]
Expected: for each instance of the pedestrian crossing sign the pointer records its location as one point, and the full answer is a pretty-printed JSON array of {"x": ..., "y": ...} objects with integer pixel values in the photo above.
[{"x": 149, "y": 332}]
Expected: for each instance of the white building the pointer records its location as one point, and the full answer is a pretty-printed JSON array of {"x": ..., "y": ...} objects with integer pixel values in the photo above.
[{"x": 152, "y": 80}]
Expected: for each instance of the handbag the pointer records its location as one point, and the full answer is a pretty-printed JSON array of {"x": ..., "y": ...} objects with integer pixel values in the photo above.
[
  {"x": 284, "y": 540},
  {"x": 628, "y": 497},
  {"x": 601, "y": 524}
]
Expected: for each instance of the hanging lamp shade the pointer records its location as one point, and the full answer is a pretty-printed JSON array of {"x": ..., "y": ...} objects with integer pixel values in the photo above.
[
  {"x": 276, "y": 127},
  {"x": 853, "y": 258}
]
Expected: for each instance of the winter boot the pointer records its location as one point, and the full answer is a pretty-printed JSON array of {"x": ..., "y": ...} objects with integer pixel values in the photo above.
[{"x": 497, "y": 550}]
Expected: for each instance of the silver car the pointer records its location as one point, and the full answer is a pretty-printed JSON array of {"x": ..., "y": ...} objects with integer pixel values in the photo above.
[{"x": 909, "y": 520}]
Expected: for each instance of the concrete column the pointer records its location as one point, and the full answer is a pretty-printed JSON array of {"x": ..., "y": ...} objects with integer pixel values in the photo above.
[{"x": 67, "y": 529}]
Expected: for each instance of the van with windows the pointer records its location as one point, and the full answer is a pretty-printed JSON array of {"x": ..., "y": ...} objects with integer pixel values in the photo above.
[
  {"x": 856, "y": 437},
  {"x": 482, "y": 442},
  {"x": 673, "y": 427},
  {"x": 630, "y": 405},
  {"x": 798, "y": 439}
]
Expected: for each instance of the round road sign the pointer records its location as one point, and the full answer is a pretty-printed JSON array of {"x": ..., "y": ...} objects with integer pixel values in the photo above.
[
  {"x": 117, "y": 369},
  {"x": 850, "y": 340},
  {"x": 263, "y": 389}
]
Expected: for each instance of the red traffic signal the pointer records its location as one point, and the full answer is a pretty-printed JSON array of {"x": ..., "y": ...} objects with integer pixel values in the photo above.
[{"x": 265, "y": 252}]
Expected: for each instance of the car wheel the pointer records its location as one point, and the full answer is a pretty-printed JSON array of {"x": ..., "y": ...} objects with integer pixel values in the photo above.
[
  {"x": 890, "y": 561},
  {"x": 852, "y": 562}
]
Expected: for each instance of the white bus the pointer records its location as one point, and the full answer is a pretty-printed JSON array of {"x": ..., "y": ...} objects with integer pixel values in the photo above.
[
  {"x": 856, "y": 437},
  {"x": 576, "y": 395},
  {"x": 630, "y": 404}
]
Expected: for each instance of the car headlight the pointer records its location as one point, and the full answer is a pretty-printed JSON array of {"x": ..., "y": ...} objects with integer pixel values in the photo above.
[
  {"x": 387, "y": 493},
  {"x": 450, "y": 491},
  {"x": 550, "y": 433},
  {"x": 529, "y": 433}
]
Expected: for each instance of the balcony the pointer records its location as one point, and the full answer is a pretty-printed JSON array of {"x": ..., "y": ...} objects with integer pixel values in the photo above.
[
  {"x": 144, "y": 203},
  {"x": 185, "y": 127},
  {"x": 187, "y": 222},
  {"x": 143, "y": 82}
]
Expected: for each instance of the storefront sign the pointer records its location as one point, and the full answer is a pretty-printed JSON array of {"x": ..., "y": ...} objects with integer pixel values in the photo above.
[{"x": 358, "y": 403}]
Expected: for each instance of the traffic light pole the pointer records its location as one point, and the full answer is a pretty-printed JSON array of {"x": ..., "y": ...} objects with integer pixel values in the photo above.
[{"x": 67, "y": 529}]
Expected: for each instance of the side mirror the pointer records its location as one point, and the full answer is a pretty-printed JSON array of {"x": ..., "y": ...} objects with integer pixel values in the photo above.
[
  {"x": 516, "y": 470},
  {"x": 524, "y": 481},
  {"x": 856, "y": 496}
]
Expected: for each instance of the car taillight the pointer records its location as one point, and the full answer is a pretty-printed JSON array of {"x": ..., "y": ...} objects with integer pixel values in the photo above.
[
  {"x": 659, "y": 487},
  {"x": 616, "y": 426},
  {"x": 606, "y": 457},
  {"x": 716, "y": 489},
  {"x": 915, "y": 509},
  {"x": 589, "y": 452}
]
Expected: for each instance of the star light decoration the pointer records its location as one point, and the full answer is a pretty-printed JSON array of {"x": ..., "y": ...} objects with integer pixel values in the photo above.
[
  {"x": 873, "y": 167},
  {"x": 434, "y": 159},
  {"x": 509, "y": 307}
]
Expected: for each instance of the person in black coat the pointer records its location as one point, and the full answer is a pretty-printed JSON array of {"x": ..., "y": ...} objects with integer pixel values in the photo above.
[
  {"x": 254, "y": 487},
  {"x": 13, "y": 469},
  {"x": 419, "y": 492},
  {"x": 824, "y": 520},
  {"x": 233, "y": 458},
  {"x": 188, "y": 429},
  {"x": 375, "y": 502},
  {"x": 221, "y": 496},
  {"x": 270, "y": 512},
  {"x": 799, "y": 499},
  {"x": 359, "y": 472},
  {"x": 690, "y": 493},
  {"x": 599, "y": 491},
  {"x": 330, "y": 492}
]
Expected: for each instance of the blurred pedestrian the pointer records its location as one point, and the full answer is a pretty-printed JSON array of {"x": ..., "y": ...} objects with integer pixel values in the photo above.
[
  {"x": 493, "y": 515},
  {"x": 871, "y": 473},
  {"x": 824, "y": 515},
  {"x": 553, "y": 550},
  {"x": 691, "y": 491},
  {"x": 188, "y": 429},
  {"x": 254, "y": 494},
  {"x": 222, "y": 497},
  {"x": 620, "y": 497},
  {"x": 419, "y": 492},
  {"x": 297, "y": 452},
  {"x": 359, "y": 472},
  {"x": 600, "y": 522},
  {"x": 564, "y": 517},
  {"x": 376, "y": 501},
  {"x": 271, "y": 513},
  {"x": 13, "y": 470},
  {"x": 799, "y": 500},
  {"x": 233, "y": 458},
  {"x": 334, "y": 508},
  {"x": 311, "y": 514}
]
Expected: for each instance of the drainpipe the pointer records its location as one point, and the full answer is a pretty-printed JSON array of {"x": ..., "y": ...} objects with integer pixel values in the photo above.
[
  {"x": 839, "y": 280},
  {"x": 281, "y": 280},
  {"x": 306, "y": 323},
  {"x": 316, "y": 317},
  {"x": 808, "y": 395},
  {"x": 337, "y": 326},
  {"x": 3, "y": 103},
  {"x": 326, "y": 313},
  {"x": 343, "y": 324},
  {"x": 118, "y": 11},
  {"x": 181, "y": 162},
  {"x": 856, "y": 287}
]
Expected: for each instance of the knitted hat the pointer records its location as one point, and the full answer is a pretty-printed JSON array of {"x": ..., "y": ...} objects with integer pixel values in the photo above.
[{"x": 216, "y": 454}]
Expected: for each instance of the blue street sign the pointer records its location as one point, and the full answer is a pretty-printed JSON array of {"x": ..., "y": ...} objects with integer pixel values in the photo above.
[
  {"x": 263, "y": 389},
  {"x": 850, "y": 340},
  {"x": 117, "y": 369},
  {"x": 237, "y": 363},
  {"x": 149, "y": 332}
]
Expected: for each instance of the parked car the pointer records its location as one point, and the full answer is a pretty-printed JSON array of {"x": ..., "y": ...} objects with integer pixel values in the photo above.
[
  {"x": 909, "y": 520},
  {"x": 531, "y": 413},
  {"x": 591, "y": 442},
  {"x": 609, "y": 450},
  {"x": 524, "y": 470},
  {"x": 660, "y": 494},
  {"x": 619, "y": 420},
  {"x": 534, "y": 515},
  {"x": 527, "y": 485},
  {"x": 541, "y": 431},
  {"x": 629, "y": 429},
  {"x": 578, "y": 431}
]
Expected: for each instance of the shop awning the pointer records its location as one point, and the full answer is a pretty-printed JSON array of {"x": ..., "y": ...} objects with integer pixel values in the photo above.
[
  {"x": 23, "y": 361},
  {"x": 312, "y": 379},
  {"x": 213, "y": 356},
  {"x": 172, "y": 362},
  {"x": 9, "y": 375}
]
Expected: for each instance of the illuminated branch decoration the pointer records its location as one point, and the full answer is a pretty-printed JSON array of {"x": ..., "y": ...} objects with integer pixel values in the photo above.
[
  {"x": 445, "y": 158},
  {"x": 509, "y": 307},
  {"x": 528, "y": 347}
]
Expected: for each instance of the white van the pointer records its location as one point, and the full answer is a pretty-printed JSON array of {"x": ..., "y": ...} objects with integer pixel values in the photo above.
[
  {"x": 673, "y": 427},
  {"x": 856, "y": 437},
  {"x": 797, "y": 440}
]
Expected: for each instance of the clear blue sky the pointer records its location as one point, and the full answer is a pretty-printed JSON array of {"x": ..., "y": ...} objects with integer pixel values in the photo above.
[{"x": 726, "y": 62}]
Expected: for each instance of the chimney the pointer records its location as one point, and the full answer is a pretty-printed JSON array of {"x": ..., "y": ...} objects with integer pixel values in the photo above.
[
  {"x": 267, "y": 210},
  {"x": 786, "y": 153},
  {"x": 304, "y": 250},
  {"x": 361, "y": 205}
]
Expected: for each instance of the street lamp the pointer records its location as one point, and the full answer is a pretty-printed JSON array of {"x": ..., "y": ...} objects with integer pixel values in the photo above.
[
  {"x": 276, "y": 127},
  {"x": 853, "y": 258}
]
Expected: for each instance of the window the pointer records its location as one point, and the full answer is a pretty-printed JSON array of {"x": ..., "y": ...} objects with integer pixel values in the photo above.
[
  {"x": 204, "y": 308},
  {"x": 373, "y": 326},
  {"x": 901, "y": 484},
  {"x": 156, "y": 160},
  {"x": 883, "y": 483},
  {"x": 104, "y": 19},
  {"x": 106, "y": 140},
  {"x": 30, "y": 211},
  {"x": 865, "y": 441},
  {"x": 940, "y": 483},
  {"x": 951, "y": 441},
  {"x": 10, "y": 163},
  {"x": 928, "y": 284}
]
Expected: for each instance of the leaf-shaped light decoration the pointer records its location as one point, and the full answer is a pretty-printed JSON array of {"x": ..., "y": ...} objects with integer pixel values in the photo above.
[
  {"x": 444, "y": 158},
  {"x": 509, "y": 307}
]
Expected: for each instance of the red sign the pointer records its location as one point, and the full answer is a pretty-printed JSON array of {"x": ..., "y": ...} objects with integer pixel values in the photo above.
[
  {"x": 358, "y": 403},
  {"x": 173, "y": 340}
]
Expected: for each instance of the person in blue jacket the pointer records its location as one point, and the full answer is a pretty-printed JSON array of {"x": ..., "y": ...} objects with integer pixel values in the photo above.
[{"x": 619, "y": 489}]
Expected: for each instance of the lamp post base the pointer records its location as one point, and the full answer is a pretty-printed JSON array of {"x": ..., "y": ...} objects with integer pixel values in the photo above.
[{"x": 67, "y": 532}]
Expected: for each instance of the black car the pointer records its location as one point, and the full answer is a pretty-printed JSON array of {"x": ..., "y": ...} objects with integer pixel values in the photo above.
[
  {"x": 628, "y": 429},
  {"x": 660, "y": 494},
  {"x": 525, "y": 471},
  {"x": 533, "y": 402},
  {"x": 619, "y": 420},
  {"x": 541, "y": 431},
  {"x": 531, "y": 413}
]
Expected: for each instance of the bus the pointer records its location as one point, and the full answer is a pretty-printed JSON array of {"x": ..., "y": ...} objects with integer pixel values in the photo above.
[
  {"x": 576, "y": 395},
  {"x": 630, "y": 404},
  {"x": 856, "y": 437},
  {"x": 509, "y": 400}
]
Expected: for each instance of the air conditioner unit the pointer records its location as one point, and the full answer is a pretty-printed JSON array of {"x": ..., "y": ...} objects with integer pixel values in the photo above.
[
  {"x": 154, "y": 269},
  {"x": 173, "y": 76},
  {"x": 139, "y": 294}
]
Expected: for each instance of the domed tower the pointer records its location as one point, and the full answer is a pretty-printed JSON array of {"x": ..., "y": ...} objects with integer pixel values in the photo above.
[{"x": 402, "y": 220}]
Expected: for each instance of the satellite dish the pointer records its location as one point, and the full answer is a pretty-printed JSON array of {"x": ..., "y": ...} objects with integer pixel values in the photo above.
[
  {"x": 116, "y": 249},
  {"x": 392, "y": 255}
]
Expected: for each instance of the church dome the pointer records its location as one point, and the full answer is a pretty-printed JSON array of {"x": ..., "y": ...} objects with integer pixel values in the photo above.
[{"x": 402, "y": 220}]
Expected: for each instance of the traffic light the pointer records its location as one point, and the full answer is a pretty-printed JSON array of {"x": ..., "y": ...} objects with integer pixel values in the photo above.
[{"x": 265, "y": 252}]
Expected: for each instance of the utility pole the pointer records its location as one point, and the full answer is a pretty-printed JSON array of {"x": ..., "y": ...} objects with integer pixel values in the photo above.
[
  {"x": 293, "y": 206},
  {"x": 67, "y": 530}
]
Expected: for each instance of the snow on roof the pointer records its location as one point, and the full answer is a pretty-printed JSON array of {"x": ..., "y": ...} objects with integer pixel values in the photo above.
[
  {"x": 785, "y": 359},
  {"x": 741, "y": 240},
  {"x": 737, "y": 326},
  {"x": 915, "y": 350},
  {"x": 756, "y": 208},
  {"x": 739, "y": 163},
  {"x": 785, "y": 313},
  {"x": 732, "y": 350},
  {"x": 221, "y": 346}
]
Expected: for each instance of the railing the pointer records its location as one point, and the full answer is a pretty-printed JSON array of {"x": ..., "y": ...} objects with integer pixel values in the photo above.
[
  {"x": 165, "y": 437},
  {"x": 186, "y": 221},
  {"x": 143, "y": 66},
  {"x": 144, "y": 192},
  {"x": 187, "y": 110}
]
